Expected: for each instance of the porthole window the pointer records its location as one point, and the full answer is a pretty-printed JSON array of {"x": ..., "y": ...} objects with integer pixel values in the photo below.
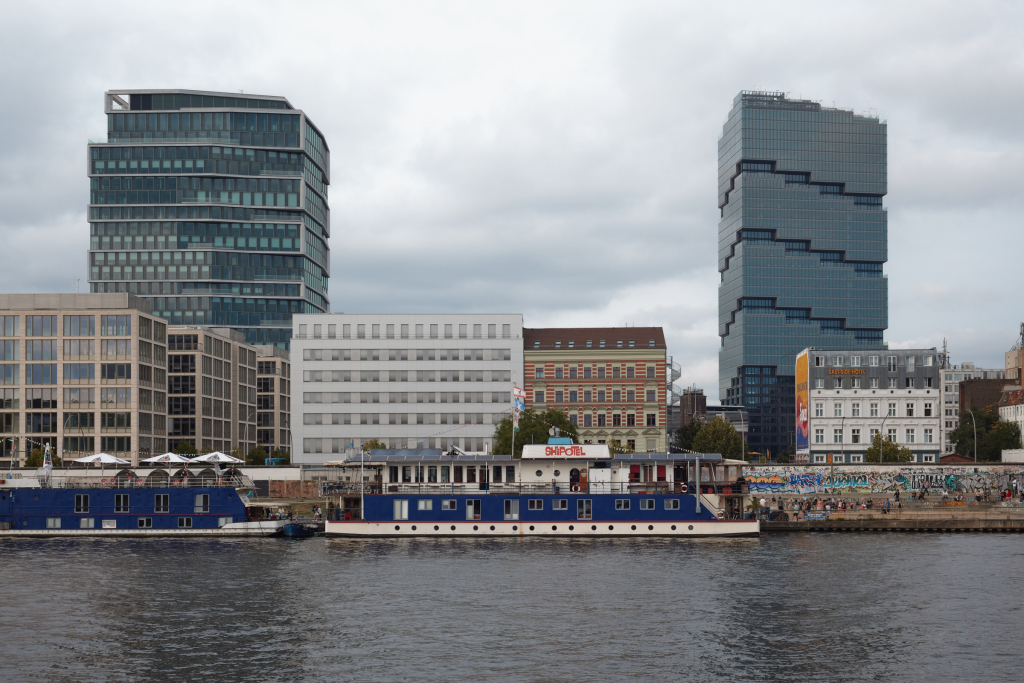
[
  {"x": 633, "y": 527},
  {"x": 453, "y": 527},
  {"x": 691, "y": 527},
  {"x": 571, "y": 527},
  {"x": 531, "y": 528},
  {"x": 397, "y": 527},
  {"x": 593, "y": 528},
  {"x": 436, "y": 528},
  {"x": 673, "y": 527},
  {"x": 650, "y": 527},
  {"x": 37, "y": 497},
  {"x": 554, "y": 528},
  {"x": 515, "y": 527},
  {"x": 558, "y": 473},
  {"x": 492, "y": 528},
  {"x": 539, "y": 473},
  {"x": 611, "y": 528},
  {"x": 414, "y": 527},
  {"x": 475, "y": 527}
]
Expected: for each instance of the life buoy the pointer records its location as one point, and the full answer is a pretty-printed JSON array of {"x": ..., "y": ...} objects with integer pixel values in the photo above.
[
  {"x": 684, "y": 488},
  {"x": 575, "y": 488}
]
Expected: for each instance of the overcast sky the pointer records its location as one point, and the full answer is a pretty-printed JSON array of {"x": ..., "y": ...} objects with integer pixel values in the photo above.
[{"x": 555, "y": 159}]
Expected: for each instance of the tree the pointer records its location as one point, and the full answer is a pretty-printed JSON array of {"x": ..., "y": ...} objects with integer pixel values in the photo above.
[
  {"x": 687, "y": 433},
  {"x": 236, "y": 452},
  {"x": 283, "y": 457},
  {"x": 891, "y": 452},
  {"x": 374, "y": 445},
  {"x": 993, "y": 435},
  {"x": 257, "y": 455},
  {"x": 615, "y": 448},
  {"x": 533, "y": 428},
  {"x": 185, "y": 448},
  {"x": 719, "y": 436},
  {"x": 787, "y": 455},
  {"x": 35, "y": 459}
]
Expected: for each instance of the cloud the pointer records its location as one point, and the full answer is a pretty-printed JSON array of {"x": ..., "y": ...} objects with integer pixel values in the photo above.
[{"x": 556, "y": 160}]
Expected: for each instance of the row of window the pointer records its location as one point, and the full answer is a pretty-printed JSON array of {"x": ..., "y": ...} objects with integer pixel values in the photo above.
[
  {"x": 910, "y": 435},
  {"x": 616, "y": 420},
  {"x": 74, "y": 326},
  {"x": 407, "y": 397},
  {"x": 584, "y": 506},
  {"x": 402, "y": 331},
  {"x": 615, "y": 372},
  {"x": 406, "y": 354},
  {"x": 47, "y": 374},
  {"x": 571, "y": 344},
  {"x": 142, "y": 522},
  {"x": 891, "y": 362},
  {"x": 407, "y": 375},
  {"x": 873, "y": 383},
  {"x": 837, "y": 409},
  {"x": 600, "y": 396}
]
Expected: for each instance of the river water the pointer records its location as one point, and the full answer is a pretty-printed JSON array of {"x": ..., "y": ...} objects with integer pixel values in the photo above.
[{"x": 801, "y": 607}]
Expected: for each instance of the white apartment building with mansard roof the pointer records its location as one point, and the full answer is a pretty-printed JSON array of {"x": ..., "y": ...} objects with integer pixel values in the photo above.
[{"x": 409, "y": 381}]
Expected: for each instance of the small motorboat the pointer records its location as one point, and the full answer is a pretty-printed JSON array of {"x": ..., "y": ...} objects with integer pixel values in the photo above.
[{"x": 296, "y": 530}]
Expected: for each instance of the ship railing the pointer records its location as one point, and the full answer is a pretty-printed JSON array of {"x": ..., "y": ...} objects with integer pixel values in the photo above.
[{"x": 148, "y": 482}]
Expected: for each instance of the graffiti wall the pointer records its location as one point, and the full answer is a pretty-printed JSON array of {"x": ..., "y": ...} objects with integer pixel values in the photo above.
[{"x": 805, "y": 479}]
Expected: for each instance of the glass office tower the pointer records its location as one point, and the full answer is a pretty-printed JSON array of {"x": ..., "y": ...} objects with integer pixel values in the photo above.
[
  {"x": 213, "y": 206},
  {"x": 801, "y": 245}
]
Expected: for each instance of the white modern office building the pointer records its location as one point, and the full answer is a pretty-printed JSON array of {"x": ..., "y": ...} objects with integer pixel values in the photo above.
[
  {"x": 409, "y": 381},
  {"x": 951, "y": 378},
  {"x": 854, "y": 394}
]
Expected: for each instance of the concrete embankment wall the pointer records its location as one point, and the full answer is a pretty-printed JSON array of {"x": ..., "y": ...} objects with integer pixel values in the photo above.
[{"x": 838, "y": 479}]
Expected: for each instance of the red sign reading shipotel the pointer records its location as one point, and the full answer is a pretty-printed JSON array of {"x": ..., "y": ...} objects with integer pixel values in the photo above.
[{"x": 575, "y": 451}]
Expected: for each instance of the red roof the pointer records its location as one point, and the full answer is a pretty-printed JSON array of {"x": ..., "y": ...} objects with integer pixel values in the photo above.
[
  {"x": 1012, "y": 398},
  {"x": 566, "y": 338}
]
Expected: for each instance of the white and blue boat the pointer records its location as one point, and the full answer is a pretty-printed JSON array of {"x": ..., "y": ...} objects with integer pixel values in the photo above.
[
  {"x": 557, "y": 489},
  {"x": 62, "y": 503}
]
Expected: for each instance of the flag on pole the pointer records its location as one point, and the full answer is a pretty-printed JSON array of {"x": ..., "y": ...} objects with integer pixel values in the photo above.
[{"x": 518, "y": 405}]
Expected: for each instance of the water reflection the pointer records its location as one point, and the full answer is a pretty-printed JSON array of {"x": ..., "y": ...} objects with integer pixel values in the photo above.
[{"x": 805, "y": 607}]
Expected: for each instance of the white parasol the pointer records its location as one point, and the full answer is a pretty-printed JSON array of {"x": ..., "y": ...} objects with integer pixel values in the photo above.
[
  {"x": 103, "y": 459},
  {"x": 216, "y": 457},
  {"x": 167, "y": 457}
]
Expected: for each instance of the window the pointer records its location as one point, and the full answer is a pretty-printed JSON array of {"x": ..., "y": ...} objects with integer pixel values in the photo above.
[
  {"x": 928, "y": 437},
  {"x": 510, "y": 474},
  {"x": 819, "y": 436},
  {"x": 855, "y": 410},
  {"x": 911, "y": 362},
  {"x": 538, "y": 397},
  {"x": 928, "y": 361},
  {"x": 652, "y": 420},
  {"x": 838, "y": 361},
  {"x": 819, "y": 410},
  {"x": 910, "y": 436},
  {"x": 560, "y": 504},
  {"x": 559, "y": 396},
  {"x": 449, "y": 504},
  {"x": 874, "y": 382},
  {"x": 837, "y": 410},
  {"x": 511, "y": 508},
  {"x": 910, "y": 382},
  {"x": 892, "y": 410},
  {"x": 892, "y": 382},
  {"x": 855, "y": 435},
  {"x": 651, "y": 396},
  {"x": 621, "y": 503},
  {"x": 584, "y": 508},
  {"x": 473, "y": 509},
  {"x": 819, "y": 361},
  {"x": 910, "y": 410},
  {"x": 819, "y": 383},
  {"x": 855, "y": 361},
  {"x": 162, "y": 503},
  {"x": 873, "y": 361},
  {"x": 647, "y": 504},
  {"x": 224, "y": 521},
  {"x": 891, "y": 434},
  {"x": 856, "y": 382},
  {"x": 535, "y": 504},
  {"x": 539, "y": 373},
  {"x": 53, "y": 522},
  {"x": 422, "y": 504},
  {"x": 184, "y": 522},
  {"x": 401, "y": 509},
  {"x": 81, "y": 502},
  {"x": 837, "y": 382},
  {"x": 86, "y": 523},
  {"x": 891, "y": 363},
  {"x": 202, "y": 502},
  {"x": 121, "y": 502},
  {"x": 837, "y": 436},
  {"x": 927, "y": 409},
  {"x": 672, "y": 504}
]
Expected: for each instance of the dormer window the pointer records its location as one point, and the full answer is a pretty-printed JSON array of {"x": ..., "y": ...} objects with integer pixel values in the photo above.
[
  {"x": 618, "y": 343},
  {"x": 558, "y": 344},
  {"x": 590, "y": 343},
  {"x": 572, "y": 343},
  {"x": 602, "y": 343},
  {"x": 536, "y": 344},
  {"x": 632, "y": 343},
  {"x": 651, "y": 344}
]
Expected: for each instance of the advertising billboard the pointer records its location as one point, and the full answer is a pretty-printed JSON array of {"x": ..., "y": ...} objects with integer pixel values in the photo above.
[
  {"x": 803, "y": 442},
  {"x": 567, "y": 452}
]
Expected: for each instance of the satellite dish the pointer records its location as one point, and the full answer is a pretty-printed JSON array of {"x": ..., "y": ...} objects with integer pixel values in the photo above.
[{"x": 551, "y": 432}]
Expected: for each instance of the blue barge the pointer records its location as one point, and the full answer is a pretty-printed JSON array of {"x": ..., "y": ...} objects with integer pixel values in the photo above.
[
  {"x": 129, "y": 506},
  {"x": 554, "y": 490}
]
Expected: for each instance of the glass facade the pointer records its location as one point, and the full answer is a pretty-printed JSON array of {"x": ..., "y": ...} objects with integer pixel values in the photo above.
[
  {"x": 802, "y": 241},
  {"x": 217, "y": 216}
]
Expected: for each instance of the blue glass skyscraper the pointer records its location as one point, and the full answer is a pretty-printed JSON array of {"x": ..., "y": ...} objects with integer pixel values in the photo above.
[
  {"x": 213, "y": 206},
  {"x": 801, "y": 245}
]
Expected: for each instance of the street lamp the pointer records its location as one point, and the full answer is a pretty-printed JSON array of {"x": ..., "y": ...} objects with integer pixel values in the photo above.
[{"x": 975, "y": 424}]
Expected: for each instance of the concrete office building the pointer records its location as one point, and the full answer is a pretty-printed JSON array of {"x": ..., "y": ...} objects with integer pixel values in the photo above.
[
  {"x": 952, "y": 376},
  {"x": 410, "y": 381},
  {"x": 273, "y": 399},
  {"x": 211, "y": 382},
  {"x": 613, "y": 383},
  {"x": 802, "y": 242},
  {"x": 845, "y": 397},
  {"x": 212, "y": 206},
  {"x": 83, "y": 373}
]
